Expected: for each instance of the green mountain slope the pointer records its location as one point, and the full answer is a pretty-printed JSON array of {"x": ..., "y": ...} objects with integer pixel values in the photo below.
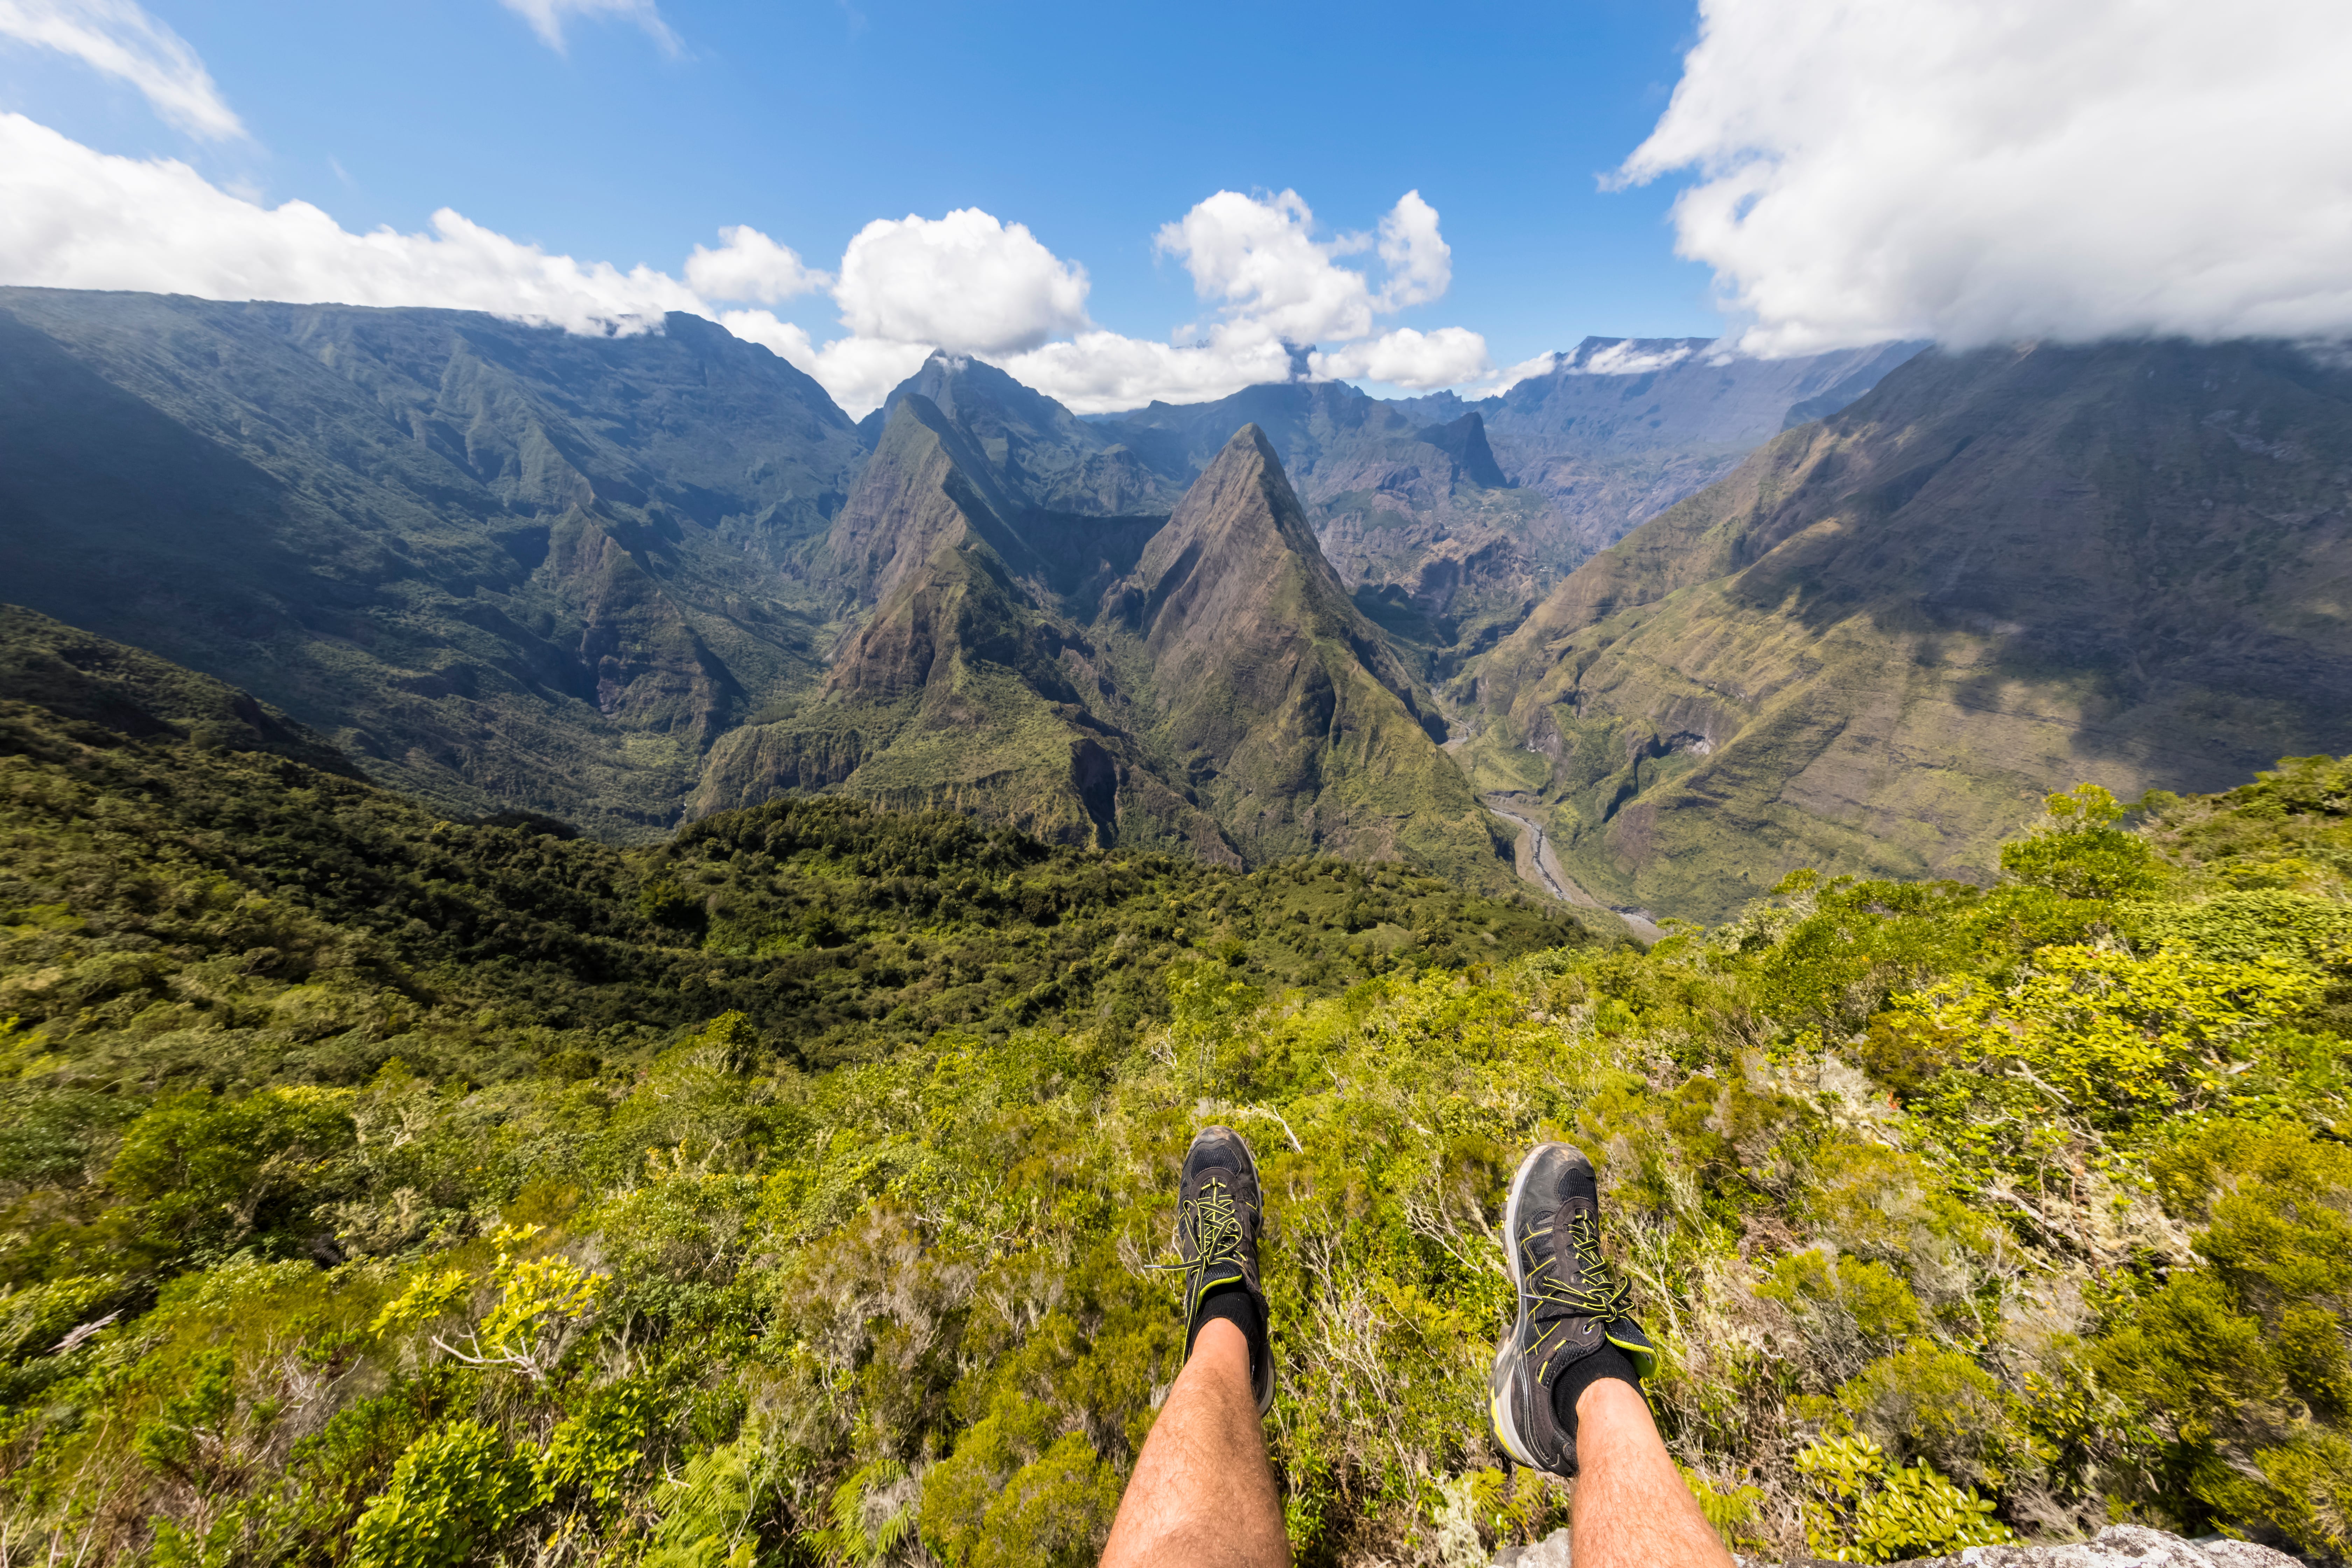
[
  {"x": 367, "y": 1178},
  {"x": 155, "y": 811},
  {"x": 971, "y": 685},
  {"x": 498, "y": 564},
  {"x": 1293, "y": 723},
  {"x": 1878, "y": 644},
  {"x": 1200, "y": 682}
]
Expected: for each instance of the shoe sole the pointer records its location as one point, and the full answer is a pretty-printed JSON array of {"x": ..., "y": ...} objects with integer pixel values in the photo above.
[{"x": 1498, "y": 1408}]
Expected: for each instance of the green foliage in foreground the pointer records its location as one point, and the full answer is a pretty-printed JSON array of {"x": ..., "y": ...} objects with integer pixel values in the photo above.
[
  {"x": 187, "y": 914},
  {"x": 1961, "y": 1213}
]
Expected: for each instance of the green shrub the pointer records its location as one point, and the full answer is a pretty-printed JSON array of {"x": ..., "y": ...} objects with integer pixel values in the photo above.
[
  {"x": 2080, "y": 852},
  {"x": 453, "y": 1494},
  {"x": 1867, "y": 1510}
]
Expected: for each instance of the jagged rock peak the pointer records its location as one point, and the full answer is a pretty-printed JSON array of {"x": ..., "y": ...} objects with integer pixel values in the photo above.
[
  {"x": 1464, "y": 441},
  {"x": 1243, "y": 491},
  {"x": 1238, "y": 552}
]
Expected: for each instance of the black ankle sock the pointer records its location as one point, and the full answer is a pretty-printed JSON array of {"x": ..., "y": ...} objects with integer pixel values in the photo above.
[
  {"x": 1235, "y": 1303},
  {"x": 1606, "y": 1362}
]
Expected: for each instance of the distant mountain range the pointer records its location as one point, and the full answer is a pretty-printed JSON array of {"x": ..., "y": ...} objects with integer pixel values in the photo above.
[
  {"x": 1705, "y": 616},
  {"x": 1881, "y": 640},
  {"x": 497, "y": 565}
]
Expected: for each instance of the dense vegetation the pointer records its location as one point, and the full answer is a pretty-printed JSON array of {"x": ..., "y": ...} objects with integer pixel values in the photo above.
[{"x": 395, "y": 1191}]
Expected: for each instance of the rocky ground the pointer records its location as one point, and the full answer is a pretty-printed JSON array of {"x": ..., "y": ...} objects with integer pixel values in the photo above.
[{"x": 2117, "y": 1546}]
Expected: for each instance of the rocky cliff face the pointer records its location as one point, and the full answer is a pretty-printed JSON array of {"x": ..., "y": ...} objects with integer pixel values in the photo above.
[
  {"x": 1280, "y": 702},
  {"x": 1199, "y": 683},
  {"x": 500, "y": 566},
  {"x": 1877, "y": 645}
]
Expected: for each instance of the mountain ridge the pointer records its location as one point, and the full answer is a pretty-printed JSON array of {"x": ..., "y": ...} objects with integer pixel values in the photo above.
[
  {"x": 1178, "y": 685},
  {"x": 498, "y": 564},
  {"x": 1998, "y": 573},
  {"x": 628, "y": 581}
]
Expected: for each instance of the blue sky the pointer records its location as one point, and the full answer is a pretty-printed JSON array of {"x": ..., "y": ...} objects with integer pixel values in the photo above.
[
  {"x": 1096, "y": 198},
  {"x": 1093, "y": 125}
]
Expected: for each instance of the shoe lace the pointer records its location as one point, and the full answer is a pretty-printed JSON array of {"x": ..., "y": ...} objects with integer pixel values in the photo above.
[
  {"x": 1215, "y": 1220},
  {"x": 1601, "y": 1295}
]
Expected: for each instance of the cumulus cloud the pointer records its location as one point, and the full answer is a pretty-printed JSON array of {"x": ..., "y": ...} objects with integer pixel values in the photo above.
[
  {"x": 71, "y": 218},
  {"x": 857, "y": 373},
  {"x": 1259, "y": 257},
  {"x": 1276, "y": 283},
  {"x": 547, "y": 17},
  {"x": 1420, "y": 262},
  {"x": 1446, "y": 357},
  {"x": 74, "y": 218},
  {"x": 748, "y": 265},
  {"x": 2074, "y": 169},
  {"x": 1100, "y": 373},
  {"x": 120, "y": 39},
  {"x": 966, "y": 284}
]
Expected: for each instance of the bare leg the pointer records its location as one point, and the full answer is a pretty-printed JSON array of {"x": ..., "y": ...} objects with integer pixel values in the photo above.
[
  {"x": 1633, "y": 1509},
  {"x": 1203, "y": 1493}
]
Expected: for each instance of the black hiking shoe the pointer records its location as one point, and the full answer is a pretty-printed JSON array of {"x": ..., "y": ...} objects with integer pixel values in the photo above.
[
  {"x": 1218, "y": 1209},
  {"x": 1571, "y": 1306}
]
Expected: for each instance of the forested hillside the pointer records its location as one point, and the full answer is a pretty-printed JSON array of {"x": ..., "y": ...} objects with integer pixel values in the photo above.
[{"x": 386, "y": 1190}]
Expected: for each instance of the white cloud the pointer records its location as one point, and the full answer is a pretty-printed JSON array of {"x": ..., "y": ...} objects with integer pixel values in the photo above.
[
  {"x": 748, "y": 265},
  {"x": 546, "y": 18},
  {"x": 1509, "y": 376},
  {"x": 1628, "y": 356},
  {"x": 1277, "y": 283},
  {"x": 1258, "y": 255},
  {"x": 1446, "y": 357},
  {"x": 1420, "y": 262},
  {"x": 2072, "y": 169},
  {"x": 857, "y": 373},
  {"x": 1101, "y": 373},
  {"x": 122, "y": 40},
  {"x": 782, "y": 338},
  {"x": 965, "y": 283},
  {"x": 74, "y": 218}
]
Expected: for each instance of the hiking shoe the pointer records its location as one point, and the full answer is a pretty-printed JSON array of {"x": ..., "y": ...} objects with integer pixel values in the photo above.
[
  {"x": 1218, "y": 1209},
  {"x": 1570, "y": 1305}
]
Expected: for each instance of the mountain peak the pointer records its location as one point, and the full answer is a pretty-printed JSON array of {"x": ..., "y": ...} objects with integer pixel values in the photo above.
[
  {"x": 1296, "y": 724},
  {"x": 1040, "y": 454},
  {"x": 1237, "y": 529},
  {"x": 1464, "y": 441}
]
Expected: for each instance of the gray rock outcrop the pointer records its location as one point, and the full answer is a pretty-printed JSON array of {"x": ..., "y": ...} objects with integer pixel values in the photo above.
[{"x": 2117, "y": 1546}]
